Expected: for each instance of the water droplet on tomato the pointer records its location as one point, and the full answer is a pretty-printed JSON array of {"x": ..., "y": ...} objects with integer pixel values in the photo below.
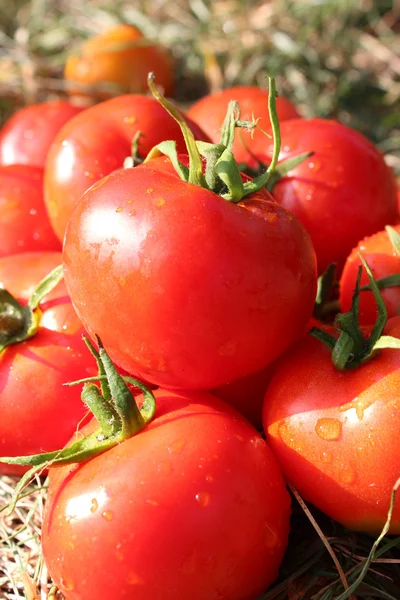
[
  {"x": 152, "y": 502},
  {"x": 347, "y": 474},
  {"x": 239, "y": 437},
  {"x": 66, "y": 584},
  {"x": 177, "y": 446},
  {"x": 94, "y": 505},
  {"x": 159, "y": 202},
  {"x": 328, "y": 429},
  {"x": 119, "y": 209},
  {"x": 129, "y": 120},
  {"x": 132, "y": 212},
  {"x": 134, "y": 579},
  {"x": 149, "y": 191},
  {"x": 209, "y": 478},
  {"x": 203, "y": 499},
  {"x": 108, "y": 515}
]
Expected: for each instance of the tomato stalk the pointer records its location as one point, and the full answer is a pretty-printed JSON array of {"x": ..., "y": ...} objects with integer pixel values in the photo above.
[
  {"x": 222, "y": 174},
  {"x": 351, "y": 348},
  {"x": 115, "y": 409},
  {"x": 19, "y": 323}
]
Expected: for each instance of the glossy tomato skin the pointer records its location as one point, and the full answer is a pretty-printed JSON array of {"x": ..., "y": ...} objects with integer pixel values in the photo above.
[
  {"x": 335, "y": 434},
  {"x": 96, "y": 143},
  {"x": 194, "y": 506},
  {"x": 24, "y": 224},
  {"x": 209, "y": 112},
  {"x": 247, "y": 394},
  {"x": 27, "y": 136},
  {"x": 37, "y": 412},
  {"x": 343, "y": 193},
  {"x": 120, "y": 58},
  {"x": 185, "y": 289},
  {"x": 383, "y": 260}
]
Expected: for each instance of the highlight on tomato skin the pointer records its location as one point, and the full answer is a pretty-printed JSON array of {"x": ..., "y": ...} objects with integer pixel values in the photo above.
[
  {"x": 28, "y": 134},
  {"x": 118, "y": 61},
  {"x": 209, "y": 112},
  {"x": 335, "y": 433},
  {"x": 24, "y": 224},
  {"x": 344, "y": 192},
  {"x": 197, "y": 492},
  {"x": 97, "y": 142},
  {"x": 384, "y": 260},
  {"x": 38, "y": 413}
]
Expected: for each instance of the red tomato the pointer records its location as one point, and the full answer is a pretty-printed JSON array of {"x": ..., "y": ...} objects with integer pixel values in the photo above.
[
  {"x": 196, "y": 498},
  {"x": 246, "y": 395},
  {"x": 96, "y": 143},
  {"x": 27, "y": 136},
  {"x": 120, "y": 58},
  {"x": 335, "y": 434},
  {"x": 383, "y": 260},
  {"x": 184, "y": 288},
  {"x": 38, "y": 413},
  {"x": 209, "y": 112},
  {"x": 344, "y": 192},
  {"x": 24, "y": 224}
]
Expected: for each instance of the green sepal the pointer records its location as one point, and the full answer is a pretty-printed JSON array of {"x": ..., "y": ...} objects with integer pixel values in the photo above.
[
  {"x": 211, "y": 153},
  {"x": 228, "y": 171},
  {"x": 326, "y": 284},
  {"x": 352, "y": 349},
  {"x": 383, "y": 283},
  {"x": 169, "y": 149},
  {"x": 394, "y": 238},
  {"x": 19, "y": 323},
  {"x": 285, "y": 166}
]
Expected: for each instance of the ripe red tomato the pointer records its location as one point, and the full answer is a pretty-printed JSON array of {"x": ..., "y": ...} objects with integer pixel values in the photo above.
[
  {"x": 196, "y": 497},
  {"x": 344, "y": 192},
  {"x": 186, "y": 289},
  {"x": 24, "y": 224},
  {"x": 246, "y": 395},
  {"x": 27, "y": 136},
  {"x": 119, "y": 60},
  {"x": 383, "y": 260},
  {"x": 37, "y": 412},
  {"x": 209, "y": 113},
  {"x": 335, "y": 433},
  {"x": 96, "y": 143}
]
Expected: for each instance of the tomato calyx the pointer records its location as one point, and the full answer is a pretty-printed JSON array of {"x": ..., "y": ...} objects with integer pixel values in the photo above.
[
  {"x": 19, "y": 323},
  {"x": 115, "y": 409},
  {"x": 352, "y": 348},
  {"x": 222, "y": 173},
  {"x": 390, "y": 280},
  {"x": 325, "y": 303}
]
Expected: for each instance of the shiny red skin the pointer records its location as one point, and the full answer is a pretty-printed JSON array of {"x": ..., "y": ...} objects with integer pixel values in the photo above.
[
  {"x": 383, "y": 260},
  {"x": 335, "y": 434},
  {"x": 185, "y": 289},
  {"x": 27, "y": 136},
  {"x": 24, "y": 224},
  {"x": 194, "y": 506},
  {"x": 37, "y": 412},
  {"x": 343, "y": 193},
  {"x": 97, "y": 142},
  {"x": 209, "y": 113},
  {"x": 246, "y": 395}
]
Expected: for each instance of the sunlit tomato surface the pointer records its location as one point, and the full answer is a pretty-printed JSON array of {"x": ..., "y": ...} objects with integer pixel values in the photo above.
[
  {"x": 194, "y": 506},
  {"x": 185, "y": 288},
  {"x": 37, "y": 412},
  {"x": 344, "y": 192},
  {"x": 24, "y": 224},
  {"x": 119, "y": 60},
  {"x": 97, "y": 142},
  {"x": 383, "y": 260},
  {"x": 27, "y": 136},
  {"x": 209, "y": 112},
  {"x": 335, "y": 434}
]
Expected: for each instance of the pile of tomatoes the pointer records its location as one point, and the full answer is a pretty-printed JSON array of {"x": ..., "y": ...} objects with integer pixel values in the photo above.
[{"x": 195, "y": 272}]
